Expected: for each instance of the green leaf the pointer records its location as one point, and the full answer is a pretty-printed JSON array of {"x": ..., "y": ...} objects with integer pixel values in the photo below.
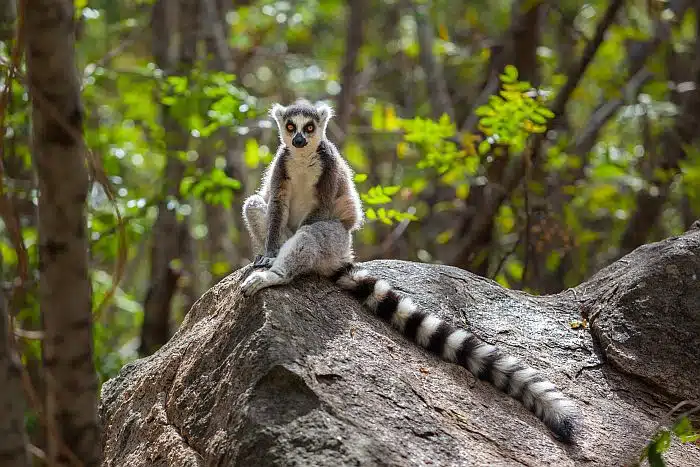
[
  {"x": 383, "y": 216},
  {"x": 186, "y": 185},
  {"x": 355, "y": 155},
  {"x": 537, "y": 118},
  {"x": 444, "y": 237},
  {"x": 484, "y": 111},
  {"x": 251, "y": 153},
  {"x": 553, "y": 261},
  {"x": 657, "y": 447},
  {"x": 663, "y": 441},
  {"x": 462, "y": 191},
  {"x": 544, "y": 111},
  {"x": 391, "y": 190},
  {"x": 377, "y": 118},
  {"x": 608, "y": 171},
  {"x": 510, "y": 74},
  {"x": 684, "y": 430},
  {"x": 484, "y": 147},
  {"x": 220, "y": 268}
]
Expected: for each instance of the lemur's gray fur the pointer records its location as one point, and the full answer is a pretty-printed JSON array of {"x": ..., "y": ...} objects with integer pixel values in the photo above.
[{"x": 301, "y": 221}]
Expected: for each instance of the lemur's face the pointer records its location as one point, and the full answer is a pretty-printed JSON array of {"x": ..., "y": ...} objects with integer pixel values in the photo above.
[
  {"x": 301, "y": 125},
  {"x": 300, "y": 131}
]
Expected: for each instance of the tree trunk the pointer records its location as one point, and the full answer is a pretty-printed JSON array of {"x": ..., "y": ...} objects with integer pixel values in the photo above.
[
  {"x": 687, "y": 214},
  {"x": 8, "y": 14},
  {"x": 348, "y": 89},
  {"x": 13, "y": 439},
  {"x": 65, "y": 294},
  {"x": 190, "y": 286},
  {"x": 526, "y": 39},
  {"x": 438, "y": 95},
  {"x": 169, "y": 18}
]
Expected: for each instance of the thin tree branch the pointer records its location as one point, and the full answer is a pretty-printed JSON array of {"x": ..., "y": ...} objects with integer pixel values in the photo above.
[
  {"x": 506, "y": 256},
  {"x": 576, "y": 74},
  {"x": 491, "y": 88},
  {"x": 587, "y": 138}
]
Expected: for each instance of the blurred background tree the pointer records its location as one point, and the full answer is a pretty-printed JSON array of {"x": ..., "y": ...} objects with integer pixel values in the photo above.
[{"x": 528, "y": 141}]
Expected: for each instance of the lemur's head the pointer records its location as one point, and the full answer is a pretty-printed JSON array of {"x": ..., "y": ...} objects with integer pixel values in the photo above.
[{"x": 302, "y": 124}]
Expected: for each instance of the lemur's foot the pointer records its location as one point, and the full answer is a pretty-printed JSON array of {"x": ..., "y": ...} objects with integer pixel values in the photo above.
[
  {"x": 262, "y": 261},
  {"x": 259, "y": 280}
]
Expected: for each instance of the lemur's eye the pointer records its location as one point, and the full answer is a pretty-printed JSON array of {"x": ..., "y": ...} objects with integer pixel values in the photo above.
[
  {"x": 309, "y": 128},
  {"x": 290, "y": 127}
]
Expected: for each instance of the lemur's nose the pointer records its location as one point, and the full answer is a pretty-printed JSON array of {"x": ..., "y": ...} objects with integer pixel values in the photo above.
[{"x": 299, "y": 141}]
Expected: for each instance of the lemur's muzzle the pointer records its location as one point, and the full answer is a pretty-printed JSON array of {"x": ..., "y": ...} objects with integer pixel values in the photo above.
[{"x": 299, "y": 141}]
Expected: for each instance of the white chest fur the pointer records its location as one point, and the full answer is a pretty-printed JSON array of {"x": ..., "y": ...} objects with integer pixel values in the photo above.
[{"x": 303, "y": 171}]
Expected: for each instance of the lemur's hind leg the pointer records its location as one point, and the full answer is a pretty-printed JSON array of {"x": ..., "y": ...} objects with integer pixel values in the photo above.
[
  {"x": 255, "y": 219},
  {"x": 322, "y": 247}
]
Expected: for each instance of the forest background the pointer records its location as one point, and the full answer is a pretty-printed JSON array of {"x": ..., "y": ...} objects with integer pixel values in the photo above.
[{"x": 531, "y": 142}]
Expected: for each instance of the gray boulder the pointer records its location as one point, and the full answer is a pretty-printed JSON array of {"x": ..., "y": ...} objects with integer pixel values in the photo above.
[{"x": 302, "y": 375}]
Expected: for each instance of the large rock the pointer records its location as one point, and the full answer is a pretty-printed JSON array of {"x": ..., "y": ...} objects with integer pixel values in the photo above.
[{"x": 301, "y": 375}]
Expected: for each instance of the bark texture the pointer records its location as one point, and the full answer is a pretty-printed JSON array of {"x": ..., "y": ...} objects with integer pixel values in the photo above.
[
  {"x": 8, "y": 14},
  {"x": 438, "y": 95},
  {"x": 301, "y": 375},
  {"x": 65, "y": 295},
  {"x": 353, "y": 42}
]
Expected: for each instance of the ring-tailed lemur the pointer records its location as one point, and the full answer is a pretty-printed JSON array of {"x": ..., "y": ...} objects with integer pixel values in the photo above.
[{"x": 302, "y": 220}]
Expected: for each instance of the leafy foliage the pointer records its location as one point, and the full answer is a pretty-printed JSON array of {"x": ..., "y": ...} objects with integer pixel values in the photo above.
[
  {"x": 430, "y": 176},
  {"x": 379, "y": 195},
  {"x": 510, "y": 117},
  {"x": 660, "y": 443},
  {"x": 214, "y": 187}
]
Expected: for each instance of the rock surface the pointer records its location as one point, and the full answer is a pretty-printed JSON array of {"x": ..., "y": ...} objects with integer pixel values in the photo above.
[{"x": 301, "y": 375}]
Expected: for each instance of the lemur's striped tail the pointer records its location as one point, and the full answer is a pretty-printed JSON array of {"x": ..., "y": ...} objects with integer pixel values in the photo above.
[{"x": 460, "y": 346}]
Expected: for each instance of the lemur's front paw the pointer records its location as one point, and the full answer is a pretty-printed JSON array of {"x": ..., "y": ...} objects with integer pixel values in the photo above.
[
  {"x": 259, "y": 280},
  {"x": 253, "y": 283},
  {"x": 262, "y": 261}
]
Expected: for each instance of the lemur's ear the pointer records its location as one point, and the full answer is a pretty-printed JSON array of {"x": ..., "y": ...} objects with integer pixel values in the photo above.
[
  {"x": 277, "y": 111},
  {"x": 325, "y": 112}
]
